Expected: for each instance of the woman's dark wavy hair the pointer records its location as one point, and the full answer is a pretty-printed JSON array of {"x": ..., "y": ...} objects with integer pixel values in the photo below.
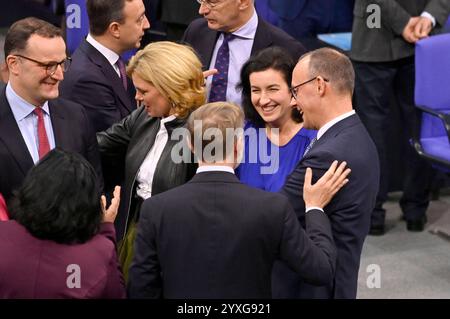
[
  {"x": 59, "y": 199},
  {"x": 274, "y": 58}
]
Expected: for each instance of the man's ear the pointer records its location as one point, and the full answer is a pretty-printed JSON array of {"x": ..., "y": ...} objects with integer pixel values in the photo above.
[
  {"x": 114, "y": 29},
  {"x": 321, "y": 86},
  {"x": 244, "y": 4},
  {"x": 12, "y": 63}
]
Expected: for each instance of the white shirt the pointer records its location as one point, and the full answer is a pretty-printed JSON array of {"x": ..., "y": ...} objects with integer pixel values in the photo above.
[
  {"x": 240, "y": 48},
  {"x": 109, "y": 54},
  {"x": 215, "y": 168},
  {"x": 327, "y": 126},
  {"x": 146, "y": 172}
]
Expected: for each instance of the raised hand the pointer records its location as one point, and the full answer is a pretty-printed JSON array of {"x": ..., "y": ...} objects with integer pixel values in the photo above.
[{"x": 110, "y": 213}]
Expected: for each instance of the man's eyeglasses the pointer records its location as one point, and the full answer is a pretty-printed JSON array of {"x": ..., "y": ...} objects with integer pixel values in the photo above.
[
  {"x": 209, "y": 3},
  {"x": 51, "y": 67},
  {"x": 294, "y": 89}
]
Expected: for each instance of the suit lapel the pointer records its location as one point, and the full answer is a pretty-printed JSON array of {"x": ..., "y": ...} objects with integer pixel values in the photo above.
[
  {"x": 206, "y": 49},
  {"x": 262, "y": 37},
  {"x": 107, "y": 69},
  {"x": 11, "y": 136},
  {"x": 58, "y": 124}
]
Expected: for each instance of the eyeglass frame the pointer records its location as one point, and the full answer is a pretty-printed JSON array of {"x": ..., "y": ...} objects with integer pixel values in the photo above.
[
  {"x": 209, "y": 4},
  {"x": 294, "y": 89},
  {"x": 50, "y": 64}
]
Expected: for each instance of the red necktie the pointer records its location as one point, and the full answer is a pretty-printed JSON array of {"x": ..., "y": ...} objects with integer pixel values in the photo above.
[{"x": 44, "y": 145}]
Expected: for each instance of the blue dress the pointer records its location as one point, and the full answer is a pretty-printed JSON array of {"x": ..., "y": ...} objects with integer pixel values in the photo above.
[{"x": 265, "y": 165}]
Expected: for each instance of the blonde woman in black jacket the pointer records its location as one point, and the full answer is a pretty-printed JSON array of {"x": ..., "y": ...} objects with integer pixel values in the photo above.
[{"x": 169, "y": 85}]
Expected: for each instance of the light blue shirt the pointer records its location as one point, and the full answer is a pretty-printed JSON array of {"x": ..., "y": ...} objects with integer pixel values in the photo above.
[
  {"x": 240, "y": 49},
  {"x": 28, "y": 121}
]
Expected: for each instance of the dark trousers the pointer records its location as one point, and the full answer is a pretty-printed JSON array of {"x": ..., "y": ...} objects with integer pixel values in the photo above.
[{"x": 373, "y": 90}]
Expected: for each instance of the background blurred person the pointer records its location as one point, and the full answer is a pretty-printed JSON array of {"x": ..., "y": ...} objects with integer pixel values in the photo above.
[
  {"x": 272, "y": 121},
  {"x": 170, "y": 85},
  {"x": 55, "y": 245},
  {"x": 97, "y": 79},
  {"x": 225, "y": 38}
]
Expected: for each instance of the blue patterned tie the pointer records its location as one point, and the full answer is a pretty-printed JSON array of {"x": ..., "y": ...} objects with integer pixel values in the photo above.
[
  {"x": 219, "y": 82},
  {"x": 308, "y": 148}
]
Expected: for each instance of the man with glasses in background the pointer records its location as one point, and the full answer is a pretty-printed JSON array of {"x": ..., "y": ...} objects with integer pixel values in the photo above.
[
  {"x": 226, "y": 37},
  {"x": 322, "y": 88},
  {"x": 32, "y": 118}
]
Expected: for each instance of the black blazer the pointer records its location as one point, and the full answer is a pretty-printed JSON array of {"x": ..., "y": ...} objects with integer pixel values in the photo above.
[
  {"x": 215, "y": 237},
  {"x": 126, "y": 144},
  {"x": 92, "y": 82},
  {"x": 203, "y": 40},
  {"x": 72, "y": 131},
  {"x": 350, "y": 209}
]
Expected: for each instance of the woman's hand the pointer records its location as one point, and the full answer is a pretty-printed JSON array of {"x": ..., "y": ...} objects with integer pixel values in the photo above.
[
  {"x": 109, "y": 215},
  {"x": 321, "y": 193}
]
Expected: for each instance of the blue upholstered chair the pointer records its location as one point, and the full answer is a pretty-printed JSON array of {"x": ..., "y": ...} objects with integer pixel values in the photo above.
[{"x": 432, "y": 97}]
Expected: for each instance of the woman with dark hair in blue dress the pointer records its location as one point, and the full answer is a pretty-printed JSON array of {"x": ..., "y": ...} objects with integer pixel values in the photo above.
[{"x": 275, "y": 139}]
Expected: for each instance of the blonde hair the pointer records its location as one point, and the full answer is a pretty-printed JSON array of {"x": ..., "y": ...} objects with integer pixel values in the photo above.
[
  {"x": 225, "y": 119},
  {"x": 175, "y": 71}
]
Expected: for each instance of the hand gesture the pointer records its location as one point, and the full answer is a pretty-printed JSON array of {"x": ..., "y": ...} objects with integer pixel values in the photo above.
[
  {"x": 321, "y": 193},
  {"x": 408, "y": 32},
  {"x": 109, "y": 215},
  {"x": 423, "y": 27}
]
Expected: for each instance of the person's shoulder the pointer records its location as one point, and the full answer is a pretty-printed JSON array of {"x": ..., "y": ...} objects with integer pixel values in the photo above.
[{"x": 199, "y": 24}]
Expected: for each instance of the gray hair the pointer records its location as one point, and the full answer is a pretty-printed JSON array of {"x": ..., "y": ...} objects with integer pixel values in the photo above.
[{"x": 334, "y": 66}]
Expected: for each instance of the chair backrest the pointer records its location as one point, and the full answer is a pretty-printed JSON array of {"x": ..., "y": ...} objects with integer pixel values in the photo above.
[{"x": 432, "y": 81}]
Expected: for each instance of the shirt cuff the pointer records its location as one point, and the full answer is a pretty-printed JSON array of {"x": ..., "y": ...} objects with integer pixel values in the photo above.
[
  {"x": 312, "y": 208},
  {"x": 429, "y": 16}
]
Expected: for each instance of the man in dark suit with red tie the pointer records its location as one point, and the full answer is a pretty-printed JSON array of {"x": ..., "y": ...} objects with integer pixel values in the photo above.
[
  {"x": 32, "y": 118},
  {"x": 233, "y": 30},
  {"x": 97, "y": 78}
]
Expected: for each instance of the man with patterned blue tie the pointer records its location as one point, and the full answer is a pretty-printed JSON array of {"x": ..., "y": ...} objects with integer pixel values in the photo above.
[
  {"x": 322, "y": 86},
  {"x": 32, "y": 118},
  {"x": 226, "y": 37}
]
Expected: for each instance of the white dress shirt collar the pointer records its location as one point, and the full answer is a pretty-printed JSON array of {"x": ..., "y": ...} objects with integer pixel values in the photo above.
[
  {"x": 327, "y": 126},
  {"x": 215, "y": 168},
  {"x": 248, "y": 30},
  {"x": 21, "y": 108},
  {"x": 109, "y": 54}
]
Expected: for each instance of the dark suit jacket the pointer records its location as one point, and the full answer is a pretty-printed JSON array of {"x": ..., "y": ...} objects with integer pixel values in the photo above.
[
  {"x": 35, "y": 268},
  {"x": 386, "y": 43},
  {"x": 92, "y": 82},
  {"x": 215, "y": 237},
  {"x": 72, "y": 130},
  {"x": 203, "y": 40},
  {"x": 350, "y": 209}
]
